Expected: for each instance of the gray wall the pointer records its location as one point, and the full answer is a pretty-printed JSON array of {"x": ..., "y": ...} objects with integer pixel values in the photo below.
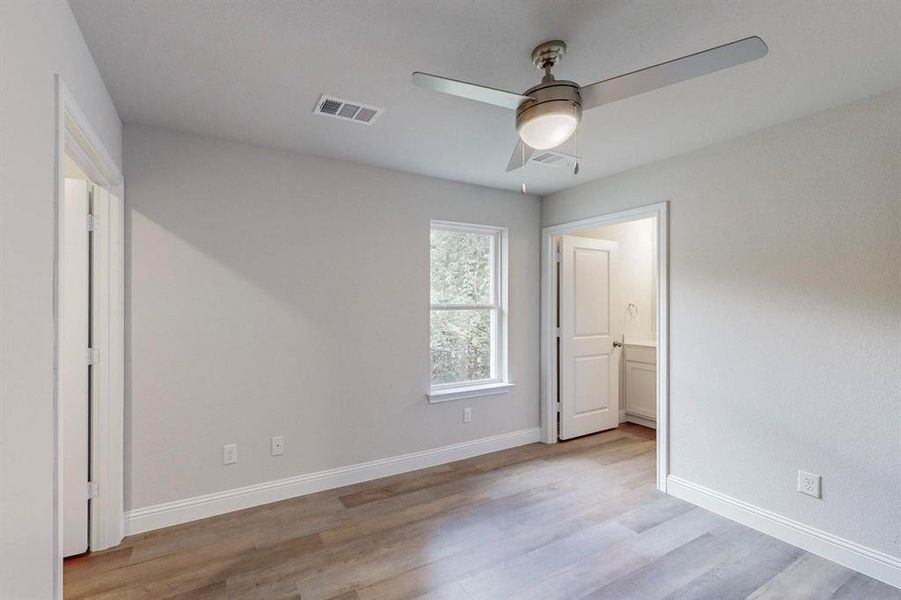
[
  {"x": 271, "y": 293},
  {"x": 37, "y": 39},
  {"x": 785, "y": 313}
]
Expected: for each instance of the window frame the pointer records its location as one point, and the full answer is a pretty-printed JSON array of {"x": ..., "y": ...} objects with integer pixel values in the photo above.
[{"x": 498, "y": 382}]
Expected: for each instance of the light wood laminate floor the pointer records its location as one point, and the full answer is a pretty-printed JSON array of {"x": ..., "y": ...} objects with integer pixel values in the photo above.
[{"x": 579, "y": 519}]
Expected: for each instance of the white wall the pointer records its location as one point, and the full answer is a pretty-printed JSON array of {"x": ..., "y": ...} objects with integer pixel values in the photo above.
[
  {"x": 785, "y": 312},
  {"x": 277, "y": 294},
  {"x": 37, "y": 39}
]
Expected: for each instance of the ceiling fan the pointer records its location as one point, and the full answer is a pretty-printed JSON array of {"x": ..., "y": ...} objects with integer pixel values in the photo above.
[{"x": 548, "y": 114}]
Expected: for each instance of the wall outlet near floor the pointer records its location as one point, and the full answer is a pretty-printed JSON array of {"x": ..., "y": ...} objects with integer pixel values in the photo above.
[
  {"x": 809, "y": 483},
  {"x": 467, "y": 415},
  {"x": 229, "y": 454},
  {"x": 278, "y": 445}
]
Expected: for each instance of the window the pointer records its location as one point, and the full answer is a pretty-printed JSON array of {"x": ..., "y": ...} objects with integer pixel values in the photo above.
[{"x": 468, "y": 310}]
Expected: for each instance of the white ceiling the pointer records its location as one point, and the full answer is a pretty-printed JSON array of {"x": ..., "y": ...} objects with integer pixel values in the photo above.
[{"x": 253, "y": 71}]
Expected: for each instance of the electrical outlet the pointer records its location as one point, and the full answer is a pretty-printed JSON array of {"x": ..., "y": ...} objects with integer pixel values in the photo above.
[
  {"x": 278, "y": 445},
  {"x": 809, "y": 484},
  {"x": 229, "y": 454},
  {"x": 467, "y": 415}
]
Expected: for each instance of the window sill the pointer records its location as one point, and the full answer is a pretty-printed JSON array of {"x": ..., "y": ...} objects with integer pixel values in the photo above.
[{"x": 471, "y": 391}]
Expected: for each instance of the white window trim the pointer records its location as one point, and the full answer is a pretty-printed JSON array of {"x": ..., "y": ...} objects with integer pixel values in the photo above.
[
  {"x": 500, "y": 383},
  {"x": 469, "y": 391}
]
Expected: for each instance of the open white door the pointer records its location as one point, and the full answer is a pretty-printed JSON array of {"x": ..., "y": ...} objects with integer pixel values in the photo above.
[
  {"x": 73, "y": 364},
  {"x": 588, "y": 398}
]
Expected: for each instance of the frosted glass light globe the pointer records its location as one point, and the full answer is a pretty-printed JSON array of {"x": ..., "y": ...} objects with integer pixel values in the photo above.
[{"x": 548, "y": 130}]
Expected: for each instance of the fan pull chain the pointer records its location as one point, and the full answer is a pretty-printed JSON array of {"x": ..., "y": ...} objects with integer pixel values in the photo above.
[
  {"x": 523, "y": 178},
  {"x": 576, "y": 144}
]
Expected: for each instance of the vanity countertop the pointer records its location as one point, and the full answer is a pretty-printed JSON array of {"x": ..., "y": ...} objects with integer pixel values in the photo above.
[
  {"x": 643, "y": 343},
  {"x": 639, "y": 339}
]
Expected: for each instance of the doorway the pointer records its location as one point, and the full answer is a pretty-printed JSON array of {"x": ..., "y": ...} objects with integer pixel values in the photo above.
[
  {"x": 88, "y": 354},
  {"x": 604, "y": 326},
  {"x": 89, "y": 360},
  {"x": 75, "y": 356}
]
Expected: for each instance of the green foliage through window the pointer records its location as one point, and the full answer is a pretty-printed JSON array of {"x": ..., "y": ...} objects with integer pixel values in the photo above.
[
  {"x": 461, "y": 345},
  {"x": 464, "y": 309}
]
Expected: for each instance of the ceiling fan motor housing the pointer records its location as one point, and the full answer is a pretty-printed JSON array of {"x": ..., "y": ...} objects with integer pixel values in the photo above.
[{"x": 550, "y": 98}]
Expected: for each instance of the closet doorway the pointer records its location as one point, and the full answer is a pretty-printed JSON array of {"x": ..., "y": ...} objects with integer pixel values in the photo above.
[
  {"x": 75, "y": 356},
  {"x": 89, "y": 315}
]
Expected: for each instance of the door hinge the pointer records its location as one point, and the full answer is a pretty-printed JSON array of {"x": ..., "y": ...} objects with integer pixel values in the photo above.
[
  {"x": 558, "y": 406},
  {"x": 559, "y": 257},
  {"x": 93, "y": 356},
  {"x": 557, "y": 332},
  {"x": 93, "y": 222},
  {"x": 93, "y": 489}
]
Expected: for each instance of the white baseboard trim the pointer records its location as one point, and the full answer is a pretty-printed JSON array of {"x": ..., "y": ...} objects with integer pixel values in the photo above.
[
  {"x": 643, "y": 421},
  {"x": 199, "y": 507},
  {"x": 868, "y": 561}
]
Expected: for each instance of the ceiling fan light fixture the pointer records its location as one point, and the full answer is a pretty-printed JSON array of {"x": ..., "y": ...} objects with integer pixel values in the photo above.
[
  {"x": 548, "y": 130},
  {"x": 550, "y": 115}
]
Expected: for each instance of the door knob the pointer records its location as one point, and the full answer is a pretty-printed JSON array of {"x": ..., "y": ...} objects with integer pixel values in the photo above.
[{"x": 617, "y": 344}]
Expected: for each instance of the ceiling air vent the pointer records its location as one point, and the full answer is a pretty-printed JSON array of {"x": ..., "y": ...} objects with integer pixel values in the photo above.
[
  {"x": 346, "y": 110},
  {"x": 553, "y": 159}
]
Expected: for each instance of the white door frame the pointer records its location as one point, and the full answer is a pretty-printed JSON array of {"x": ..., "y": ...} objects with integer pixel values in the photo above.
[
  {"x": 76, "y": 137},
  {"x": 549, "y": 236}
]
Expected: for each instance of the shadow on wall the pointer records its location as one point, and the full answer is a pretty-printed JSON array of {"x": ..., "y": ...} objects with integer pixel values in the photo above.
[
  {"x": 271, "y": 292},
  {"x": 248, "y": 288}
]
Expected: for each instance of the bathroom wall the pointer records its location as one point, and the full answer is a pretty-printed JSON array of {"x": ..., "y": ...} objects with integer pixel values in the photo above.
[{"x": 634, "y": 275}]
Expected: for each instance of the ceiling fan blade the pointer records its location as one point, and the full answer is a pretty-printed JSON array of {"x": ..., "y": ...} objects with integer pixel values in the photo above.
[
  {"x": 674, "y": 71},
  {"x": 472, "y": 91},
  {"x": 521, "y": 155}
]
